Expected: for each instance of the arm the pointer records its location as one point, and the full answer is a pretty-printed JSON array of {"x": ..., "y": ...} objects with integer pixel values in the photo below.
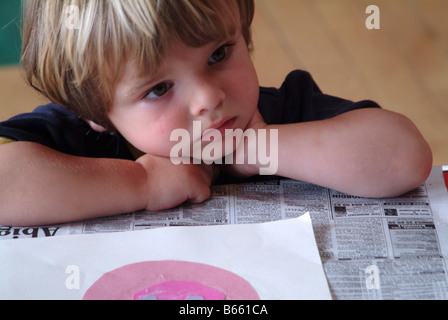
[
  {"x": 366, "y": 152},
  {"x": 42, "y": 186}
]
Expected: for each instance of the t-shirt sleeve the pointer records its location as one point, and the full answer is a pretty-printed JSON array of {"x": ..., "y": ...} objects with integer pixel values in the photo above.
[
  {"x": 61, "y": 130},
  {"x": 299, "y": 99}
]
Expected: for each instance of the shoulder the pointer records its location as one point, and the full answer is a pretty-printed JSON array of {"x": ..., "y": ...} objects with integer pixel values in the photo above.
[
  {"x": 295, "y": 79},
  {"x": 287, "y": 103},
  {"x": 50, "y": 114},
  {"x": 58, "y": 128},
  {"x": 300, "y": 99},
  {"x": 43, "y": 120}
]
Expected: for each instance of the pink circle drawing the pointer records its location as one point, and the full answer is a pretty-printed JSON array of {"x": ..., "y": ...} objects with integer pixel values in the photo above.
[{"x": 170, "y": 280}]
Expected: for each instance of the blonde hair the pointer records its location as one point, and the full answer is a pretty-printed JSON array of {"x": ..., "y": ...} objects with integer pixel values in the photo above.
[{"x": 75, "y": 63}]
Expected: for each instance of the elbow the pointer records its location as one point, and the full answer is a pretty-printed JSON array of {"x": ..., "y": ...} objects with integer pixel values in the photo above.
[
  {"x": 412, "y": 167},
  {"x": 422, "y": 165},
  {"x": 412, "y": 162},
  {"x": 397, "y": 158}
]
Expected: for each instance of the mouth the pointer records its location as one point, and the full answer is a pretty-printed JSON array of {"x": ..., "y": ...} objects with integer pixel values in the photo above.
[{"x": 221, "y": 126}]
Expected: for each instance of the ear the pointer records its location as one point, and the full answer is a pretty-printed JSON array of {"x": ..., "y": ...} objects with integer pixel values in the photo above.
[{"x": 96, "y": 126}]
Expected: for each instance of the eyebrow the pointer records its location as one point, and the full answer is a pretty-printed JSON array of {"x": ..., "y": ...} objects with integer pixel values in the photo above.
[{"x": 135, "y": 90}]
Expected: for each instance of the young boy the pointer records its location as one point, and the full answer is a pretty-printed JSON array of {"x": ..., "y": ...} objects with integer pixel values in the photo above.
[{"x": 124, "y": 75}]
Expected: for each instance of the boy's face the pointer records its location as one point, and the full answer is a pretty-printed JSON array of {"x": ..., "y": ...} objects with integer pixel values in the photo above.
[{"x": 216, "y": 85}]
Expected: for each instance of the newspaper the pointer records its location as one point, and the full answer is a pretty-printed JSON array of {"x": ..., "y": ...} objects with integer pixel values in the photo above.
[{"x": 392, "y": 248}]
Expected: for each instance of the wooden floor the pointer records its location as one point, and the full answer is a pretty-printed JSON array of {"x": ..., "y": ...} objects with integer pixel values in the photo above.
[{"x": 403, "y": 65}]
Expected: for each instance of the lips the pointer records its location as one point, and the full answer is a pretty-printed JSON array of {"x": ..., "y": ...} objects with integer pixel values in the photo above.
[{"x": 220, "y": 126}]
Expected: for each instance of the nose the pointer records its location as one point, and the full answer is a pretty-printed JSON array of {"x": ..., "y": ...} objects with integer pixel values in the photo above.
[{"x": 207, "y": 96}]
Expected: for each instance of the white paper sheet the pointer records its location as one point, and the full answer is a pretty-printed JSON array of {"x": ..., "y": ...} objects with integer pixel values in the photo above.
[
  {"x": 279, "y": 259},
  {"x": 438, "y": 195}
]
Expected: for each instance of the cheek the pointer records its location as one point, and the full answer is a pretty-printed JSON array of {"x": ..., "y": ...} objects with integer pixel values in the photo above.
[
  {"x": 153, "y": 137},
  {"x": 253, "y": 90},
  {"x": 167, "y": 124},
  {"x": 247, "y": 87}
]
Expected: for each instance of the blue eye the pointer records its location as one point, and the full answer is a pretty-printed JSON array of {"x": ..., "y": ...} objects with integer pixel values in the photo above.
[
  {"x": 158, "y": 91},
  {"x": 219, "y": 55}
]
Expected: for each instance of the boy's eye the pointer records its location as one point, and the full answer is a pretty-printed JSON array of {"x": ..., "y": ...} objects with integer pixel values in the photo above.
[
  {"x": 158, "y": 91},
  {"x": 219, "y": 55}
]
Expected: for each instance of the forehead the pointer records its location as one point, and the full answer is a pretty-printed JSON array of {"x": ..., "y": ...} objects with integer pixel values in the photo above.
[
  {"x": 193, "y": 26},
  {"x": 150, "y": 63}
]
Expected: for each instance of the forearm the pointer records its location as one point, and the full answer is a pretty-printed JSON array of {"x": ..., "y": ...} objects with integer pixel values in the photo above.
[
  {"x": 369, "y": 152},
  {"x": 42, "y": 186}
]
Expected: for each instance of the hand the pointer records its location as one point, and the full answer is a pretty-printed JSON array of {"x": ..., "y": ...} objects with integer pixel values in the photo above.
[
  {"x": 170, "y": 185},
  {"x": 244, "y": 151}
]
